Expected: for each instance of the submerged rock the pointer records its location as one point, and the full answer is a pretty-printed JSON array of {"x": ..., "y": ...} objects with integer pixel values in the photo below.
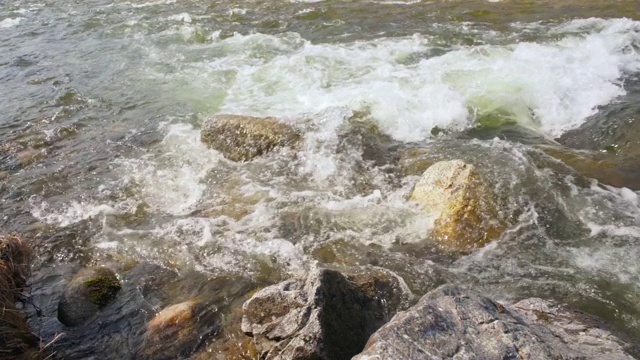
[
  {"x": 415, "y": 161},
  {"x": 450, "y": 322},
  {"x": 173, "y": 330},
  {"x": 86, "y": 294},
  {"x": 608, "y": 169},
  {"x": 326, "y": 316},
  {"x": 16, "y": 340},
  {"x": 455, "y": 195},
  {"x": 174, "y": 316},
  {"x": 243, "y": 138}
]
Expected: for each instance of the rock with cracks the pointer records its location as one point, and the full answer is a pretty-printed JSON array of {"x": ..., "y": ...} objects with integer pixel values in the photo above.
[
  {"x": 327, "y": 316},
  {"x": 243, "y": 138},
  {"x": 463, "y": 206},
  {"x": 452, "y": 323}
]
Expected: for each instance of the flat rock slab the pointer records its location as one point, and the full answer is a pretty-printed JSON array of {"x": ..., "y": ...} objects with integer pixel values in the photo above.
[{"x": 453, "y": 323}]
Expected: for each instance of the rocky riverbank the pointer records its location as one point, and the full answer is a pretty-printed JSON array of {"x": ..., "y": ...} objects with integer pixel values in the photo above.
[
  {"x": 323, "y": 317},
  {"x": 327, "y": 314}
]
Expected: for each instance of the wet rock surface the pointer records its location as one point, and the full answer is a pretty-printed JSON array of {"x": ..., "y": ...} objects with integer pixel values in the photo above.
[
  {"x": 156, "y": 315},
  {"x": 454, "y": 323},
  {"x": 606, "y": 146},
  {"x": 174, "y": 330},
  {"x": 617, "y": 170},
  {"x": 177, "y": 315},
  {"x": 243, "y": 138},
  {"x": 326, "y": 316},
  {"x": 465, "y": 212},
  {"x": 86, "y": 294}
]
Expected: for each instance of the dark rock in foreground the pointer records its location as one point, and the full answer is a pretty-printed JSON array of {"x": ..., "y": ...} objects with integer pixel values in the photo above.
[
  {"x": 327, "y": 316},
  {"x": 452, "y": 323},
  {"x": 242, "y": 138}
]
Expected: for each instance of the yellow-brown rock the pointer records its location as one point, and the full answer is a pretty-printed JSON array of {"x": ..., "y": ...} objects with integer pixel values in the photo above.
[
  {"x": 172, "y": 319},
  {"x": 243, "y": 138},
  {"x": 466, "y": 216},
  {"x": 172, "y": 330}
]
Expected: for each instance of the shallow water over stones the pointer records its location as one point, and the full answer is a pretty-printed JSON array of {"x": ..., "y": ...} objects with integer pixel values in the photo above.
[{"x": 101, "y": 161}]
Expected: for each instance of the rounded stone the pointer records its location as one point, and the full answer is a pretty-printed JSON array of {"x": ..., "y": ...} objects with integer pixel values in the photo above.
[
  {"x": 465, "y": 212},
  {"x": 175, "y": 316},
  {"x": 88, "y": 292}
]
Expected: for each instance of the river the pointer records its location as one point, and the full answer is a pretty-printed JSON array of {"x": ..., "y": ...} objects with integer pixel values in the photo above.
[{"x": 101, "y": 163}]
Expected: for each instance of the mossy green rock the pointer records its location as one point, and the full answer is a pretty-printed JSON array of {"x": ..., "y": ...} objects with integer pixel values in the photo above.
[
  {"x": 88, "y": 292},
  {"x": 243, "y": 138},
  {"x": 102, "y": 289}
]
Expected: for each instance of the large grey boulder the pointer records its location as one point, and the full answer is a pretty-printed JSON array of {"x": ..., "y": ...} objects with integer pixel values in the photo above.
[
  {"x": 242, "y": 138},
  {"x": 327, "y": 316},
  {"x": 452, "y": 323}
]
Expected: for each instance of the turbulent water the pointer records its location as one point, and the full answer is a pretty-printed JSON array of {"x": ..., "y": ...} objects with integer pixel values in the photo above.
[{"x": 101, "y": 163}]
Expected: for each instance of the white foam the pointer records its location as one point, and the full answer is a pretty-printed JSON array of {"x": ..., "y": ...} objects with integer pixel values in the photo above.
[
  {"x": 306, "y": 1},
  {"x": 620, "y": 262},
  {"x": 70, "y": 213},
  {"x": 107, "y": 245},
  {"x": 183, "y": 17},
  {"x": 613, "y": 230},
  {"x": 319, "y": 156},
  {"x": 9, "y": 22},
  {"x": 151, "y": 3},
  {"x": 629, "y": 196},
  {"x": 398, "y": 2},
  {"x": 237, "y": 11},
  {"x": 172, "y": 183},
  {"x": 551, "y": 87},
  {"x": 356, "y": 202}
]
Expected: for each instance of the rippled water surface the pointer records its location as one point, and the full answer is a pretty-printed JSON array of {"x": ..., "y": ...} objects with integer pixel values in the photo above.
[{"x": 101, "y": 163}]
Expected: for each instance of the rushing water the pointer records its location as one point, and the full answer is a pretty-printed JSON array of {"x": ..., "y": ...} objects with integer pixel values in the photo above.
[{"x": 100, "y": 159}]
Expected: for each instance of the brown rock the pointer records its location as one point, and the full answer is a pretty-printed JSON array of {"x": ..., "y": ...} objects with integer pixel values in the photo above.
[
  {"x": 243, "y": 138},
  {"x": 465, "y": 212},
  {"x": 175, "y": 315},
  {"x": 180, "y": 329}
]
